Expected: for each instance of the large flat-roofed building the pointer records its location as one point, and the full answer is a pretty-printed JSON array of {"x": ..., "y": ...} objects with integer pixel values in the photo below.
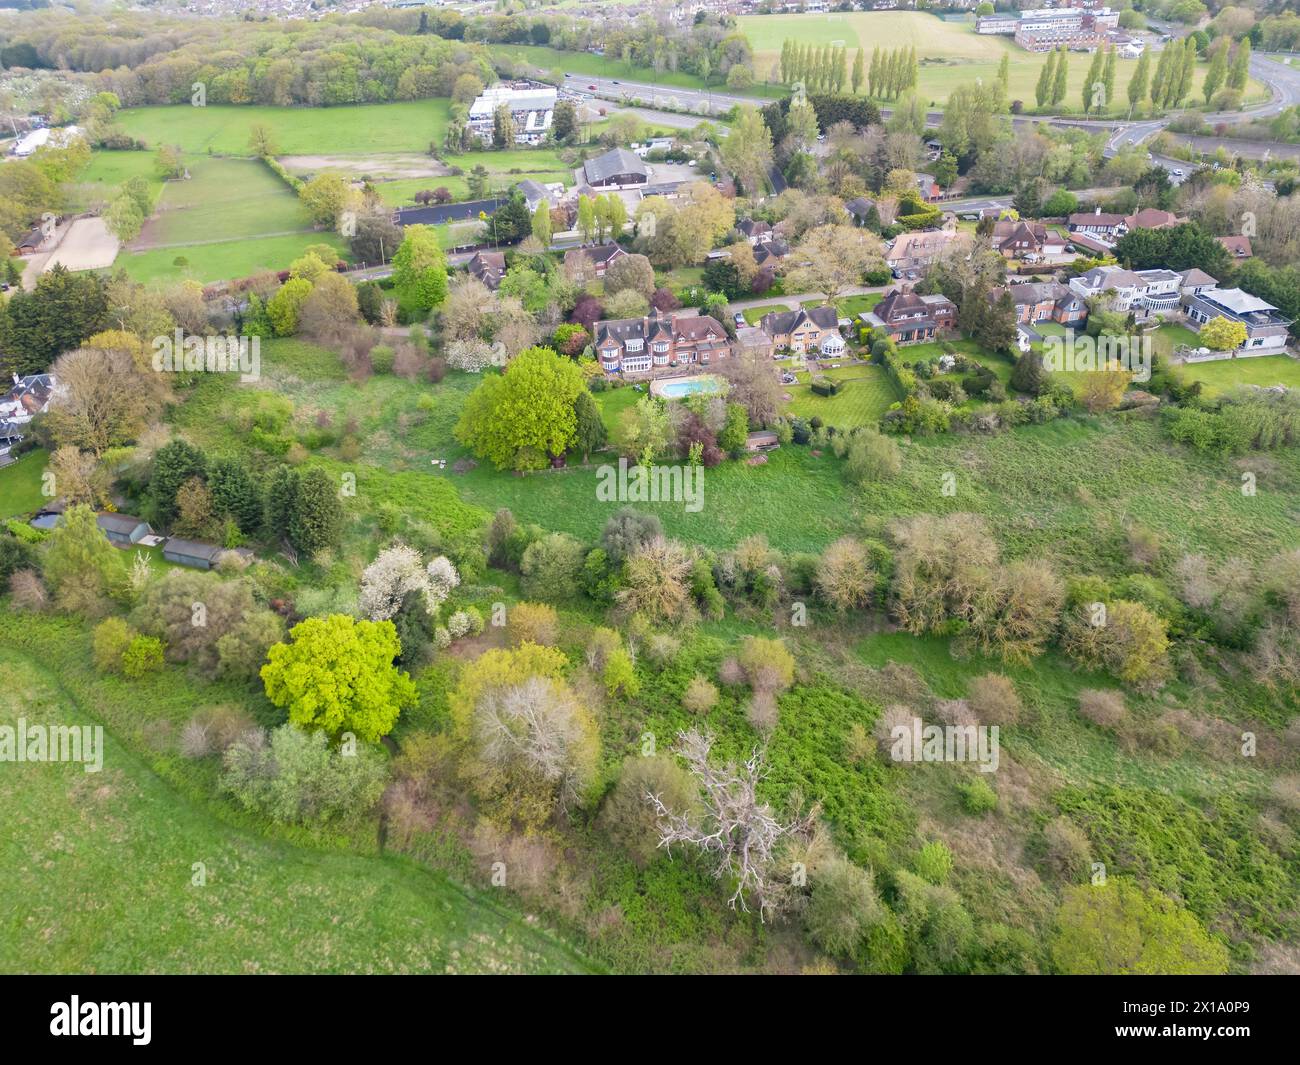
[
  {"x": 532, "y": 109},
  {"x": 1266, "y": 327}
]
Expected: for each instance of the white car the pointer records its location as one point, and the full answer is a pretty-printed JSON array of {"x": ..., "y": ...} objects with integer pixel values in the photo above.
[{"x": 1178, "y": 172}]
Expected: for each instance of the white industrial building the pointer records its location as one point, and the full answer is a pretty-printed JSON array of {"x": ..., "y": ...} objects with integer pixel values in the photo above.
[{"x": 532, "y": 109}]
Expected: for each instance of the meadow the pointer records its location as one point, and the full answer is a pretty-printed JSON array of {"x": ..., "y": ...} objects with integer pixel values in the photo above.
[
  {"x": 1065, "y": 491},
  {"x": 106, "y": 172},
  {"x": 406, "y": 126},
  {"x": 123, "y": 845},
  {"x": 505, "y": 169},
  {"x": 950, "y": 53},
  {"x": 231, "y": 218}
]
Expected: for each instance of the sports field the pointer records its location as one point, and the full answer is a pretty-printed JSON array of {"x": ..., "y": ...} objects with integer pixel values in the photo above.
[{"x": 950, "y": 53}]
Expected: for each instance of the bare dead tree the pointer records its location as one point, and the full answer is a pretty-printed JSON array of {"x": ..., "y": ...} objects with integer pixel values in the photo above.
[{"x": 735, "y": 826}]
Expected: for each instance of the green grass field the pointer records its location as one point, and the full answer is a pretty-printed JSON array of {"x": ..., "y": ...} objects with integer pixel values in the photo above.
[
  {"x": 20, "y": 485},
  {"x": 549, "y": 60},
  {"x": 122, "y": 845},
  {"x": 232, "y": 218},
  {"x": 866, "y": 395},
  {"x": 754, "y": 315},
  {"x": 950, "y": 53},
  {"x": 408, "y": 126},
  {"x": 106, "y": 173},
  {"x": 1264, "y": 370},
  {"x": 505, "y": 169}
]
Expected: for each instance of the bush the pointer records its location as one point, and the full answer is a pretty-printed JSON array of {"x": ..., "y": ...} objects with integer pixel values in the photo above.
[
  {"x": 994, "y": 699},
  {"x": 978, "y": 797},
  {"x": 662, "y": 649},
  {"x": 934, "y": 862},
  {"x": 872, "y": 457},
  {"x": 143, "y": 655},
  {"x": 842, "y": 907},
  {"x": 533, "y": 623},
  {"x": 701, "y": 695},
  {"x": 627, "y": 816},
  {"x": 1105, "y": 709},
  {"x": 109, "y": 642},
  {"x": 297, "y": 778},
  {"x": 766, "y": 664}
]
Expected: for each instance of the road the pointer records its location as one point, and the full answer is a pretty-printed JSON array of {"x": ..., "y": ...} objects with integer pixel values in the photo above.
[{"x": 674, "y": 98}]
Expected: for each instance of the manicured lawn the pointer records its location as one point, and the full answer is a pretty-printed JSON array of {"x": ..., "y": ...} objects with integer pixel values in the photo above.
[
  {"x": 99, "y": 868},
  {"x": 852, "y": 306},
  {"x": 754, "y": 315},
  {"x": 1264, "y": 370},
  {"x": 20, "y": 485},
  {"x": 1179, "y": 335},
  {"x": 407, "y": 126},
  {"x": 866, "y": 395}
]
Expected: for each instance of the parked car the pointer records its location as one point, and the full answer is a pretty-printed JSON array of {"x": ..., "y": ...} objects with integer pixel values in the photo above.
[
  {"x": 591, "y": 88},
  {"x": 738, "y": 318},
  {"x": 1178, "y": 172}
]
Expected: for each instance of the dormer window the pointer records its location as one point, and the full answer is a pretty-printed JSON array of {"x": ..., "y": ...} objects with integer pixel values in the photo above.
[{"x": 634, "y": 345}]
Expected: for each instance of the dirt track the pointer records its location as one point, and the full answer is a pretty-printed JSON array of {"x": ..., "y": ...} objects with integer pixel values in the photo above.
[{"x": 87, "y": 245}]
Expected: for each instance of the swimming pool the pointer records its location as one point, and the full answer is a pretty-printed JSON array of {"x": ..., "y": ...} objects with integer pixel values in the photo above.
[{"x": 686, "y": 386}]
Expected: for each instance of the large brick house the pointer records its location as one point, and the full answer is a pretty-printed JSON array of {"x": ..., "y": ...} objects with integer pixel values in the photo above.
[
  {"x": 591, "y": 262},
  {"x": 1015, "y": 240},
  {"x": 912, "y": 319},
  {"x": 489, "y": 267},
  {"x": 804, "y": 330},
  {"x": 659, "y": 342},
  {"x": 916, "y": 251},
  {"x": 1046, "y": 301}
]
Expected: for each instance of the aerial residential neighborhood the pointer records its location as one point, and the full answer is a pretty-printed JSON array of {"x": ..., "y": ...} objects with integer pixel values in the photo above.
[{"x": 729, "y": 487}]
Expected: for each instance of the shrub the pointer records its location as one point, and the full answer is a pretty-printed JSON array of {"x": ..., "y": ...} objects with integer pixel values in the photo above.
[
  {"x": 109, "y": 642},
  {"x": 844, "y": 577},
  {"x": 297, "y": 778},
  {"x": 994, "y": 699},
  {"x": 700, "y": 696},
  {"x": 766, "y": 663},
  {"x": 872, "y": 457},
  {"x": 662, "y": 649},
  {"x": 978, "y": 797},
  {"x": 1105, "y": 709},
  {"x": 627, "y": 816},
  {"x": 1066, "y": 855},
  {"x": 842, "y": 907},
  {"x": 144, "y": 654},
  {"x": 551, "y": 566},
  {"x": 934, "y": 862},
  {"x": 762, "y": 713},
  {"x": 534, "y": 623}
]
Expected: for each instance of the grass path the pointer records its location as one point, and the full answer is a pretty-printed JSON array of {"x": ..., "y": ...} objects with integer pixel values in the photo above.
[{"x": 99, "y": 872}]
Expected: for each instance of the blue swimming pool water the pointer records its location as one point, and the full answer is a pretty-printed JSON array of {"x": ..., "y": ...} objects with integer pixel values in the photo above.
[{"x": 677, "y": 389}]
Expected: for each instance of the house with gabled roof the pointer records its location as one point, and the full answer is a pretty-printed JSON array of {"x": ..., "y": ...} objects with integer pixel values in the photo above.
[
  {"x": 803, "y": 330},
  {"x": 489, "y": 267},
  {"x": 1016, "y": 239},
  {"x": 754, "y": 231},
  {"x": 1045, "y": 301},
  {"x": 1105, "y": 229},
  {"x": 1152, "y": 218},
  {"x": 584, "y": 264},
  {"x": 910, "y": 318},
  {"x": 1236, "y": 246},
  {"x": 659, "y": 341}
]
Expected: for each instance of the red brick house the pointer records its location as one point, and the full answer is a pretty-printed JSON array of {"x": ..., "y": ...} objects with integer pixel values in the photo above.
[
  {"x": 912, "y": 319},
  {"x": 659, "y": 342}
]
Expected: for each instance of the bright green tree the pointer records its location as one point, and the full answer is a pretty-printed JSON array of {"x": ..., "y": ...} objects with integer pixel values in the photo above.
[
  {"x": 337, "y": 675},
  {"x": 1121, "y": 928},
  {"x": 524, "y": 417},
  {"x": 420, "y": 269}
]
